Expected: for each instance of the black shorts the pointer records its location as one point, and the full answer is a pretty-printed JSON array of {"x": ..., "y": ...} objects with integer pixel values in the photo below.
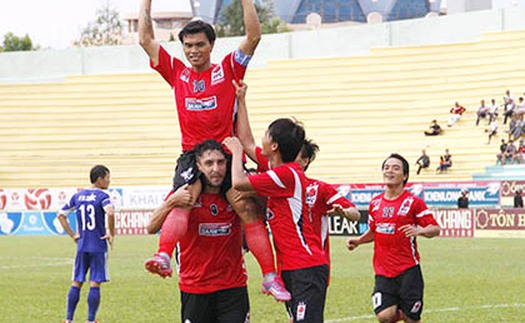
[
  {"x": 308, "y": 289},
  {"x": 187, "y": 172},
  {"x": 228, "y": 306},
  {"x": 405, "y": 291}
]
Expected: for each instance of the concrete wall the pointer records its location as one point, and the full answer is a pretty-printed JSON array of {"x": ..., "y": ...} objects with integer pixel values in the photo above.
[{"x": 49, "y": 65}]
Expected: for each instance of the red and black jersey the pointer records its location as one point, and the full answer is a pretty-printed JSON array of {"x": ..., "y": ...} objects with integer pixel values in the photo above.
[
  {"x": 210, "y": 253},
  {"x": 296, "y": 244},
  {"x": 206, "y": 101},
  {"x": 393, "y": 251}
]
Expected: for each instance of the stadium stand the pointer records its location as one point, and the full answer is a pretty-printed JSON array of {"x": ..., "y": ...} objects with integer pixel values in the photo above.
[{"x": 358, "y": 109}]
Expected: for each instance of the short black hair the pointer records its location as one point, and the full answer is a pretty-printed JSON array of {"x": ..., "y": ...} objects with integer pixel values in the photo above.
[
  {"x": 209, "y": 144},
  {"x": 309, "y": 150},
  {"x": 289, "y": 135},
  {"x": 196, "y": 27},
  {"x": 406, "y": 168},
  {"x": 96, "y": 172}
]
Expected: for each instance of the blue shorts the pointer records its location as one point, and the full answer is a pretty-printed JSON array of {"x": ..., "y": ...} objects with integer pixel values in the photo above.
[{"x": 96, "y": 262}]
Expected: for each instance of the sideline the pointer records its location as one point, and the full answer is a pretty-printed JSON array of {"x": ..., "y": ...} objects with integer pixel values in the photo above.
[{"x": 439, "y": 310}]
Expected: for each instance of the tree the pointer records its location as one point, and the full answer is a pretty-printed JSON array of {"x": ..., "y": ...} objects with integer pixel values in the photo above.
[
  {"x": 231, "y": 23},
  {"x": 106, "y": 30},
  {"x": 14, "y": 43}
]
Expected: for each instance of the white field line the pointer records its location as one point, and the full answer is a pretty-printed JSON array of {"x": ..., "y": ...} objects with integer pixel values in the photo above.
[
  {"x": 39, "y": 262},
  {"x": 438, "y": 310}
]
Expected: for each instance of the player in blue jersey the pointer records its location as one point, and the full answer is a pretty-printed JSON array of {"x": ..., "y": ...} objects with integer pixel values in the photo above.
[{"x": 93, "y": 210}]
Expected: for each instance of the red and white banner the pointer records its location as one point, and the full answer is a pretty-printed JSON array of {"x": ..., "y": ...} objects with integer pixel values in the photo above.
[
  {"x": 455, "y": 222},
  {"x": 132, "y": 222}
]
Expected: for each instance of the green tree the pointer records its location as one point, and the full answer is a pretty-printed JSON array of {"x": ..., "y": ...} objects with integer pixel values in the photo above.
[
  {"x": 231, "y": 22},
  {"x": 14, "y": 43},
  {"x": 106, "y": 30}
]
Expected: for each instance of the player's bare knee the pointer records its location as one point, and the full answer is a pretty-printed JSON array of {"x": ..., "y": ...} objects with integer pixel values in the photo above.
[{"x": 386, "y": 315}]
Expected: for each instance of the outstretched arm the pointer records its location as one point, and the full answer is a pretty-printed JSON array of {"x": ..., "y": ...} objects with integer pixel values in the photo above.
[
  {"x": 146, "y": 35},
  {"x": 244, "y": 130},
  {"x": 252, "y": 27},
  {"x": 351, "y": 213}
]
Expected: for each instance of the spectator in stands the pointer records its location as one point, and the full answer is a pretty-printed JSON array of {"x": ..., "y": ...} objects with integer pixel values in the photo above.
[
  {"x": 520, "y": 109},
  {"x": 483, "y": 112},
  {"x": 518, "y": 199},
  {"x": 510, "y": 107},
  {"x": 455, "y": 114},
  {"x": 493, "y": 110},
  {"x": 493, "y": 129},
  {"x": 423, "y": 161},
  {"x": 511, "y": 154},
  {"x": 434, "y": 129},
  {"x": 463, "y": 199},
  {"x": 521, "y": 152},
  {"x": 445, "y": 162},
  {"x": 502, "y": 152},
  {"x": 516, "y": 127}
]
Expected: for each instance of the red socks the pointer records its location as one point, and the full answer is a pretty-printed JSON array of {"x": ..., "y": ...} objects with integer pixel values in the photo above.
[
  {"x": 173, "y": 228},
  {"x": 258, "y": 242}
]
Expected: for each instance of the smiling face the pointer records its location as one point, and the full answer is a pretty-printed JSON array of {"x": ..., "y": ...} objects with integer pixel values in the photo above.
[
  {"x": 212, "y": 163},
  {"x": 197, "y": 49},
  {"x": 393, "y": 174}
]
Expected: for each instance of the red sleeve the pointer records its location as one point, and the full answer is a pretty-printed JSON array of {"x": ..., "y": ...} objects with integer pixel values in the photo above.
[
  {"x": 332, "y": 196},
  {"x": 423, "y": 215},
  {"x": 278, "y": 182},
  {"x": 229, "y": 63},
  {"x": 167, "y": 66}
]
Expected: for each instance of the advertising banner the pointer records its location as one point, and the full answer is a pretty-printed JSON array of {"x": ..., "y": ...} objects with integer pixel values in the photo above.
[
  {"x": 455, "y": 222},
  {"x": 33, "y": 223},
  {"x": 508, "y": 188},
  {"x": 500, "y": 219},
  {"x": 446, "y": 194},
  {"x": 362, "y": 194},
  {"x": 129, "y": 222},
  {"x": 341, "y": 226}
]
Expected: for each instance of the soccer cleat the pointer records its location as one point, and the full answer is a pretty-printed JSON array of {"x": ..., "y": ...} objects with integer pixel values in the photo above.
[
  {"x": 159, "y": 264},
  {"x": 273, "y": 285}
]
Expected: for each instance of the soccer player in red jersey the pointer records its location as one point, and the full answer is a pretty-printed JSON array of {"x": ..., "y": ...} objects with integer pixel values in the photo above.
[
  {"x": 396, "y": 218},
  {"x": 205, "y": 100},
  {"x": 210, "y": 290},
  {"x": 323, "y": 199},
  {"x": 300, "y": 255}
]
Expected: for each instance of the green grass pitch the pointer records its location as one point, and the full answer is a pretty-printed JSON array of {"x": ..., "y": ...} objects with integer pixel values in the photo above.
[{"x": 466, "y": 280}]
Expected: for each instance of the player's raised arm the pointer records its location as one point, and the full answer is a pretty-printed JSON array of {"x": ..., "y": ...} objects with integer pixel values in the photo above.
[
  {"x": 180, "y": 198},
  {"x": 252, "y": 27},
  {"x": 244, "y": 130},
  {"x": 146, "y": 35}
]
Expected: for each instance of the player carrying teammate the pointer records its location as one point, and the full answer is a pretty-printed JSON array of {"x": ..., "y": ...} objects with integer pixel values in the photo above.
[
  {"x": 93, "y": 209},
  {"x": 210, "y": 290}
]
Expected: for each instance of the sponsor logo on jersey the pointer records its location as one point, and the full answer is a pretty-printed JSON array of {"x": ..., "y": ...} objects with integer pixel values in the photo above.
[
  {"x": 215, "y": 229},
  {"x": 405, "y": 206},
  {"x": 217, "y": 75},
  {"x": 194, "y": 104},
  {"x": 311, "y": 194},
  {"x": 185, "y": 76},
  {"x": 269, "y": 214},
  {"x": 386, "y": 228}
]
